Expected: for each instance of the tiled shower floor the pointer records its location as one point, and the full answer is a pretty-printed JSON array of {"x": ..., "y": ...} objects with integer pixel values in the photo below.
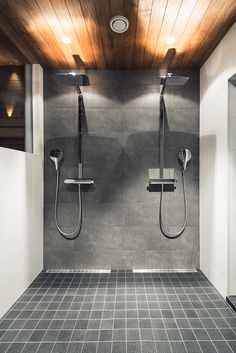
[{"x": 118, "y": 313}]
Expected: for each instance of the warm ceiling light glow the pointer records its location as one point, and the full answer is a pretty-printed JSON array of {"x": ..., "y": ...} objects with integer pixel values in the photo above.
[
  {"x": 9, "y": 111},
  {"x": 66, "y": 40},
  {"x": 170, "y": 40}
]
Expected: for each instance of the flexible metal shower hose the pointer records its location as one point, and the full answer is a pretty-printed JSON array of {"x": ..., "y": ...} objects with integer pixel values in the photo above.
[
  {"x": 173, "y": 235},
  {"x": 73, "y": 235}
]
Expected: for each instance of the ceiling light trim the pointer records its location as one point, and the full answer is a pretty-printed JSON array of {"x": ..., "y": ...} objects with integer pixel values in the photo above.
[{"x": 119, "y": 24}]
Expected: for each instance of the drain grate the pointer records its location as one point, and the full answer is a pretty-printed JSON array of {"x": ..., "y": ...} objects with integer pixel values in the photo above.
[
  {"x": 158, "y": 270},
  {"x": 134, "y": 270},
  {"x": 77, "y": 271}
]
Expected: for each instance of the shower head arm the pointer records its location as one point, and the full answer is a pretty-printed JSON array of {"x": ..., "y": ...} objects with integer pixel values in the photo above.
[
  {"x": 78, "y": 90},
  {"x": 163, "y": 87}
]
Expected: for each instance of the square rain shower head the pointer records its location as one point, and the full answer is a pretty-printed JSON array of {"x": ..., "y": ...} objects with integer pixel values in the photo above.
[
  {"x": 170, "y": 80},
  {"x": 72, "y": 79}
]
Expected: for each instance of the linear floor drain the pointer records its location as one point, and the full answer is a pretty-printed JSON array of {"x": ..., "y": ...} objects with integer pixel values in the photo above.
[
  {"x": 172, "y": 270},
  {"x": 77, "y": 271}
]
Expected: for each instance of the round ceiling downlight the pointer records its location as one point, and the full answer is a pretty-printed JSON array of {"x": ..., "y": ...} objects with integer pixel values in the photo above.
[{"x": 119, "y": 24}]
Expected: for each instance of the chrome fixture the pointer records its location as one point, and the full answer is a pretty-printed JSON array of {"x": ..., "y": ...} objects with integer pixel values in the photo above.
[
  {"x": 161, "y": 181},
  {"x": 119, "y": 24},
  {"x": 79, "y": 181},
  {"x": 184, "y": 157},
  {"x": 56, "y": 155},
  {"x": 72, "y": 79}
]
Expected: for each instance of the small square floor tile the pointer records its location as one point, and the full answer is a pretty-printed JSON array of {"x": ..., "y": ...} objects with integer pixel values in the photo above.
[
  {"x": 178, "y": 347},
  {"x": 45, "y": 348},
  {"x": 74, "y": 347},
  {"x": 104, "y": 347},
  {"x": 119, "y": 347},
  {"x": 193, "y": 347},
  {"x": 148, "y": 347},
  {"x": 133, "y": 347},
  {"x": 15, "y": 348},
  {"x": 163, "y": 347},
  {"x": 207, "y": 347},
  {"x": 222, "y": 346},
  {"x": 121, "y": 312},
  {"x": 62, "y": 347}
]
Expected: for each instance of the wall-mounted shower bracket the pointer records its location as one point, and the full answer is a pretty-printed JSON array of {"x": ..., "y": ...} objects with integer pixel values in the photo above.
[
  {"x": 156, "y": 185},
  {"x": 158, "y": 182},
  {"x": 79, "y": 181}
]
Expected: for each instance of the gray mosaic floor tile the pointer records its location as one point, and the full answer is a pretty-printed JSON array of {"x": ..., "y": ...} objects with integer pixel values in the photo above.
[{"x": 120, "y": 312}]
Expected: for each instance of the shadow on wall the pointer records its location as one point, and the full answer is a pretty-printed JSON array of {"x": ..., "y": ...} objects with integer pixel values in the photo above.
[
  {"x": 121, "y": 158},
  {"x": 120, "y": 142},
  {"x": 123, "y": 89}
]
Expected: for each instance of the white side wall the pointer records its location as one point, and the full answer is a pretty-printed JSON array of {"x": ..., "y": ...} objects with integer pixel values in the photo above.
[
  {"x": 21, "y": 210},
  {"x": 232, "y": 189},
  {"x": 214, "y": 162}
]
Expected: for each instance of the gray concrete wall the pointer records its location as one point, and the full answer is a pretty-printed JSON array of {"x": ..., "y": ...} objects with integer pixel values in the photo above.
[{"x": 120, "y": 142}]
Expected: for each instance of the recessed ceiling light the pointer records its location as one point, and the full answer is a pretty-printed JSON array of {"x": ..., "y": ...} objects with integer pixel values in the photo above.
[
  {"x": 170, "y": 40},
  {"x": 72, "y": 73},
  {"x": 119, "y": 24},
  {"x": 66, "y": 40}
]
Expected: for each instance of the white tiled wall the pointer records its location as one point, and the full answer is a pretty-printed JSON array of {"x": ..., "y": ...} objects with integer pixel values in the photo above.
[
  {"x": 232, "y": 189},
  {"x": 21, "y": 213},
  {"x": 217, "y": 191}
]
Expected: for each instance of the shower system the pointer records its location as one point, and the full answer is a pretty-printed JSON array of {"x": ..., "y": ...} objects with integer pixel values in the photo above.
[
  {"x": 56, "y": 155},
  {"x": 162, "y": 179}
]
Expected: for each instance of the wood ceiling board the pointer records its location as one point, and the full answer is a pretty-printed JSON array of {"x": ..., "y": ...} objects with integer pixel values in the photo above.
[
  {"x": 19, "y": 19},
  {"x": 17, "y": 39},
  {"x": 46, "y": 32},
  {"x": 182, "y": 20},
  {"x": 68, "y": 28},
  {"x": 116, "y": 8},
  {"x": 223, "y": 20},
  {"x": 103, "y": 13},
  {"x": 36, "y": 28},
  {"x": 130, "y": 9},
  {"x": 143, "y": 20},
  {"x": 190, "y": 30},
  {"x": 91, "y": 20},
  {"x": 156, "y": 19},
  {"x": 78, "y": 19},
  {"x": 202, "y": 32},
  {"x": 9, "y": 54},
  {"x": 169, "y": 20},
  {"x": 54, "y": 23}
]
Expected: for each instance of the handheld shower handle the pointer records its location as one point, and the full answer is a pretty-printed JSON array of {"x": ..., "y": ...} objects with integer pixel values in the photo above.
[
  {"x": 56, "y": 156},
  {"x": 185, "y": 156}
]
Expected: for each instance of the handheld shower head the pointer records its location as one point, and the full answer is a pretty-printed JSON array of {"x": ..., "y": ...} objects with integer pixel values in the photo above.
[
  {"x": 184, "y": 157},
  {"x": 56, "y": 156}
]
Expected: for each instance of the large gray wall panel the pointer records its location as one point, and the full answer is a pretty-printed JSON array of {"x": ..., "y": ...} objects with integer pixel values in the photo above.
[{"x": 120, "y": 142}]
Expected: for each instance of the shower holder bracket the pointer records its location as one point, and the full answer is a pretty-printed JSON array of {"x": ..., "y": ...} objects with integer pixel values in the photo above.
[
  {"x": 155, "y": 185},
  {"x": 79, "y": 181}
]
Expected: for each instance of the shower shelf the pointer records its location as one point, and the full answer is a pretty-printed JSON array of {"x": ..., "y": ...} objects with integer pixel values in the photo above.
[{"x": 155, "y": 185}]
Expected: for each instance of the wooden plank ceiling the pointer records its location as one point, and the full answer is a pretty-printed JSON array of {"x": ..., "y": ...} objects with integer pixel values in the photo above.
[{"x": 31, "y": 31}]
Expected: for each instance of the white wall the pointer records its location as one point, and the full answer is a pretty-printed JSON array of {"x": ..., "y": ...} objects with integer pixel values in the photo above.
[
  {"x": 21, "y": 210},
  {"x": 232, "y": 188},
  {"x": 214, "y": 162}
]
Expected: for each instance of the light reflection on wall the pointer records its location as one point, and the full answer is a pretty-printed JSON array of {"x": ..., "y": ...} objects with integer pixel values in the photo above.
[{"x": 9, "y": 111}]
